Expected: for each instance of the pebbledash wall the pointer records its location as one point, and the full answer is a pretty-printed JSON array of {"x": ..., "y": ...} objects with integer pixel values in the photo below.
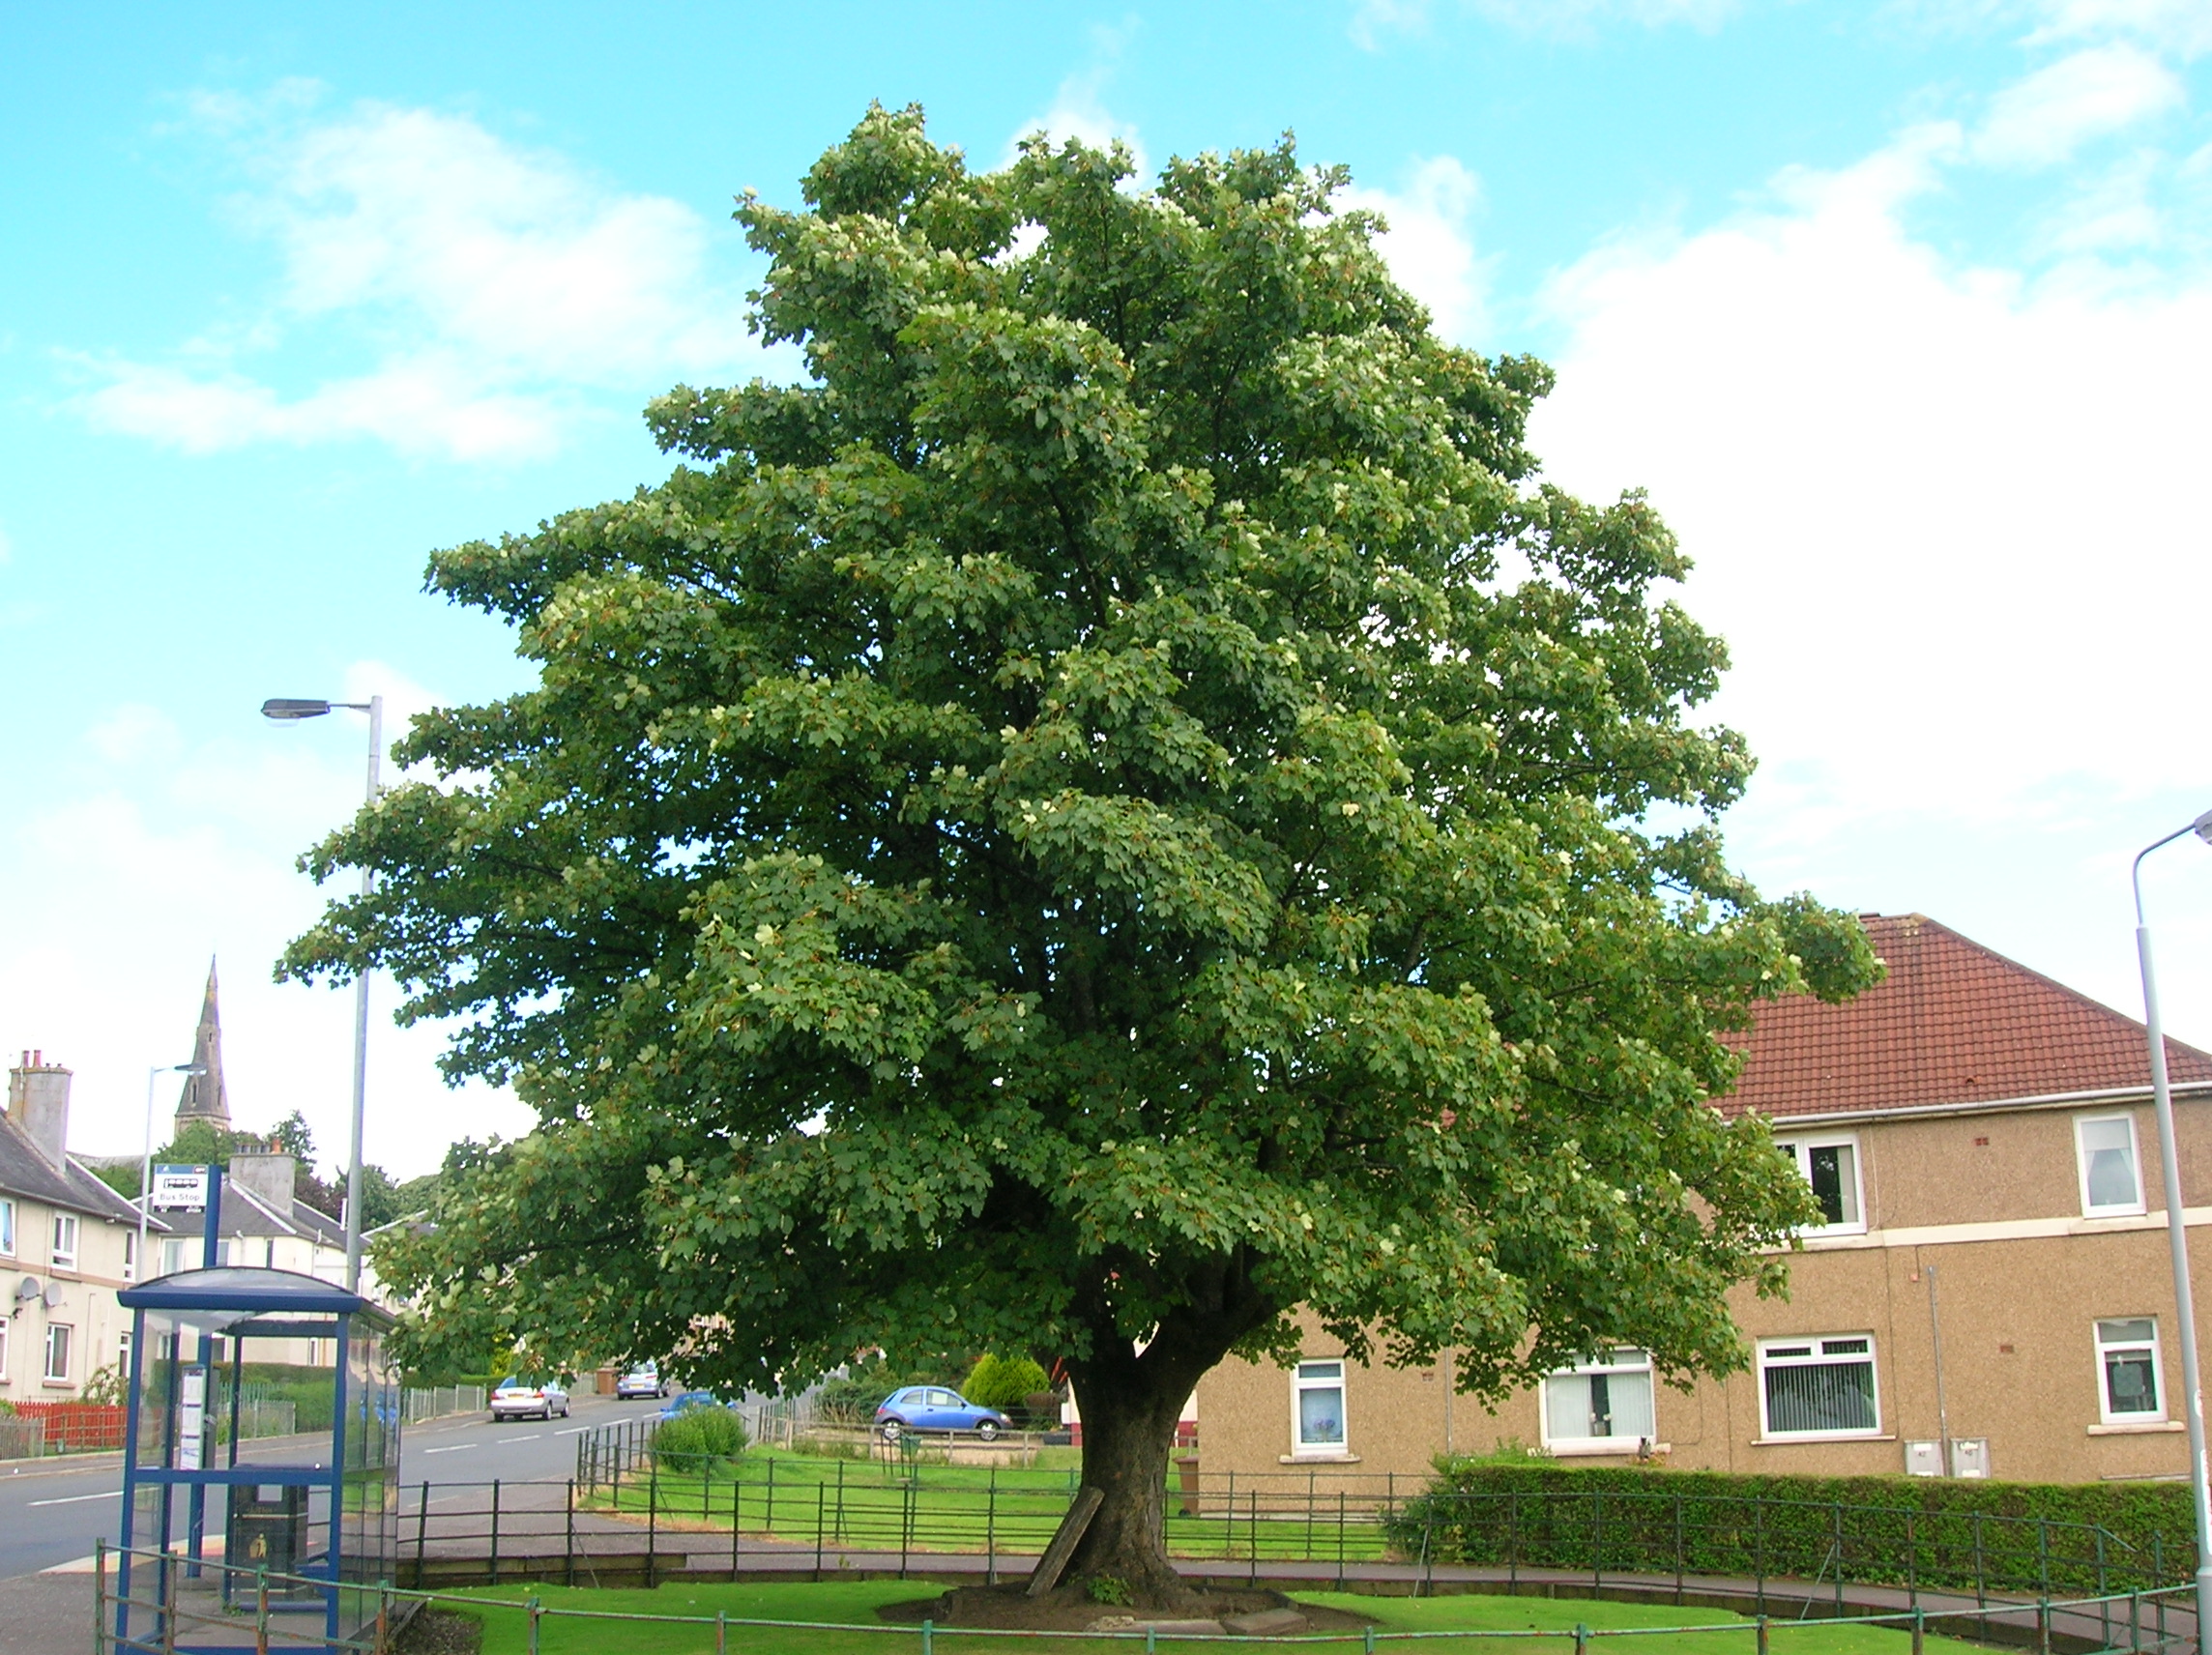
[{"x": 1969, "y": 1127}]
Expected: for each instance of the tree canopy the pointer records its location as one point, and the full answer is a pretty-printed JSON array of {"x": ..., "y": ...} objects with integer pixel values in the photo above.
[{"x": 1120, "y": 807}]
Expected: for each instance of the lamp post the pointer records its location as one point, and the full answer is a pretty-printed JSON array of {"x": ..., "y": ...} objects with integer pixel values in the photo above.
[
  {"x": 2176, "y": 1231},
  {"x": 146, "y": 1161},
  {"x": 287, "y": 709}
]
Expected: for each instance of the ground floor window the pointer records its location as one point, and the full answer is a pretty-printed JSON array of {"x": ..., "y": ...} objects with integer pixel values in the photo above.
[
  {"x": 1317, "y": 1408},
  {"x": 59, "y": 1338},
  {"x": 1604, "y": 1402},
  {"x": 1818, "y": 1387},
  {"x": 2127, "y": 1365},
  {"x": 3, "y": 1349}
]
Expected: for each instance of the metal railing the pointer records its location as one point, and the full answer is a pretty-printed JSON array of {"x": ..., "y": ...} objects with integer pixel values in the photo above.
[
  {"x": 435, "y": 1402},
  {"x": 2136, "y": 1621}
]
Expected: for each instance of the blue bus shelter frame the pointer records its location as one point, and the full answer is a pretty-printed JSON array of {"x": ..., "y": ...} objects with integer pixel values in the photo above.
[{"x": 237, "y": 1303}]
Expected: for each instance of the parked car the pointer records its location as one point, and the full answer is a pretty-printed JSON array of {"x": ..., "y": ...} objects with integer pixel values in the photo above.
[
  {"x": 933, "y": 1407},
  {"x": 642, "y": 1380},
  {"x": 518, "y": 1397},
  {"x": 684, "y": 1400}
]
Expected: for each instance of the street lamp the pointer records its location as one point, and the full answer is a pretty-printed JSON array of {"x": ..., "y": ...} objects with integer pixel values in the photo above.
[
  {"x": 287, "y": 709},
  {"x": 146, "y": 1161},
  {"x": 2176, "y": 1232}
]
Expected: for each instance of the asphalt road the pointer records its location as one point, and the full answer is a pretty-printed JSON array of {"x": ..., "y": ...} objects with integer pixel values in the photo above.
[{"x": 53, "y": 1513}]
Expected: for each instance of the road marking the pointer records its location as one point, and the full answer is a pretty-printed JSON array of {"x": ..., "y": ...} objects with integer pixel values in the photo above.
[
  {"x": 71, "y": 1499},
  {"x": 531, "y": 1438},
  {"x": 456, "y": 1448},
  {"x": 573, "y": 1429}
]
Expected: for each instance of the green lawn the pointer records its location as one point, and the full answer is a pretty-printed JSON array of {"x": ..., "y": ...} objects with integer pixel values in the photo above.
[
  {"x": 854, "y": 1603},
  {"x": 877, "y": 1506}
]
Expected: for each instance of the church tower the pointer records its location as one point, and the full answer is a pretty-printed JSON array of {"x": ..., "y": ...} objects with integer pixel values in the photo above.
[{"x": 204, "y": 1097}]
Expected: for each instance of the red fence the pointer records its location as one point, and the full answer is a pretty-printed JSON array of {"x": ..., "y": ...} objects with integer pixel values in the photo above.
[{"x": 76, "y": 1427}]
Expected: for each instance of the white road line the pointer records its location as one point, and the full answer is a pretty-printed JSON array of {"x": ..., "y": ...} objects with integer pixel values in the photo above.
[
  {"x": 71, "y": 1499},
  {"x": 531, "y": 1438},
  {"x": 456, "y": 1448},
  {"x": 574, "y": 1428}
]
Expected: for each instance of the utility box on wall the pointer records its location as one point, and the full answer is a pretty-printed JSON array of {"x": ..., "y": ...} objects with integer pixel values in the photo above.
[
  {"x": 1970, "y": 1456},
  {"x": 1924, "y": 1459}
]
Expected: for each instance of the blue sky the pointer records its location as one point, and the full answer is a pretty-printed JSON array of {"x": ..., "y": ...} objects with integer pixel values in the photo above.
[{"x": 1903, "y": 311}]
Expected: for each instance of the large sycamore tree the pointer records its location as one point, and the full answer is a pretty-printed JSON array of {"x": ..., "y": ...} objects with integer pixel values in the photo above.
[{"x": 1118, "y": 813}]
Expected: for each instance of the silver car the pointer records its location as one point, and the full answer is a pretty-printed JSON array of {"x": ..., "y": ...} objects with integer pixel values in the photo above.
[{"x": 522, "y": 1397}]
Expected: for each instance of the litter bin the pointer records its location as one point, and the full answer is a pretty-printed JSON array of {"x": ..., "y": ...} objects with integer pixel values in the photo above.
[{"x": 268, "y": 1526}]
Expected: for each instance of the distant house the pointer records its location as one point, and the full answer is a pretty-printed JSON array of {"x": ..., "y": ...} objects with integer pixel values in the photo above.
[
  {"x": 1981, "y": 1141},
  {"x": 66, "y": 1244}
]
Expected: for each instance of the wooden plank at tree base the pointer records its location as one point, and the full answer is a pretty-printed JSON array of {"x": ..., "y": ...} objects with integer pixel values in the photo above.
[{"x": 1066, "y": 1539}]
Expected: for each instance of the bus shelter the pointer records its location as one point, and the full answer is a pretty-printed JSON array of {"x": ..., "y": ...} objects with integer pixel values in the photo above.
[{"x": 212, "y": 1515}]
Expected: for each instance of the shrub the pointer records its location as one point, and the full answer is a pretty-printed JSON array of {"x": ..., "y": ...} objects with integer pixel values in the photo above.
[
  {"x": 699, "y": 1437},
  {"x": 1003, "y": 1382},
  {"x": 1936, "y": 1531},
  {"x": 1105, "y": 1588}
]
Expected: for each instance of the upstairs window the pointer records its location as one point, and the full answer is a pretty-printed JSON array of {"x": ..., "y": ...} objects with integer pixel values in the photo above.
[
  {"x": 65, "y": 1241},
  {"x": 1831, "y": 1166},
  {"x": 2111, "y": 1172},
  {"x": 6, "y": 1230},
  {"x": 131, "y": 1255},
  {"x": 2127, "y": 1371},
  {"x": 1601, "y": 1405},
  {"x": 1317, "y": 1408}
]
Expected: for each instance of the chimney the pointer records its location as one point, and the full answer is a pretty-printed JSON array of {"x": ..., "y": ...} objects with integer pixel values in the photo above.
[
  {"x": 38, "y": 1102},
  {"x": 270, "y": 1177}
]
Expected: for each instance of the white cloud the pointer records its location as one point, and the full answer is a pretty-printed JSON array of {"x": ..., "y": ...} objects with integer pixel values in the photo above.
[
  {"x": 136, "y": 889},
  {"x": 1943, "y": 512},
  {"x": 493, "y": 290},
  {"x": 1430, "y": 245},
  {"x": 2183, "y": 26},
  {"x": 1078, "y": 108},
  {"x": 2042, "y": 119}
]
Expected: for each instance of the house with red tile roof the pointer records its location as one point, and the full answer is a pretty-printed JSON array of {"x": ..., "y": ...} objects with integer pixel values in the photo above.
[{"x": 1990, "y": 1295}]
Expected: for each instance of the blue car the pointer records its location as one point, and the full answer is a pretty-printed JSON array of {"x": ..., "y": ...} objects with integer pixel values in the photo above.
[
  {"x": 933, "y": 1407},
  {"x": 684, "y": 1400}
]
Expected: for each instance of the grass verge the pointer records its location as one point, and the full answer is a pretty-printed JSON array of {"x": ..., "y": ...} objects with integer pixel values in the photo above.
[{"x": 854, "y": 1603}]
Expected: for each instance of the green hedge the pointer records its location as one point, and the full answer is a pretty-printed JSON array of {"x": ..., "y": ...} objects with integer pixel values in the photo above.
[
  {"x": 699, "y": 1437},
  {"x": 2002, "y": 1537}
]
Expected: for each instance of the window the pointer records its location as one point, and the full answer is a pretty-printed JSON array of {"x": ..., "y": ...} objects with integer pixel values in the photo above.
[
  {"x": 59, "y": 1338},
  {"x": 1831, "y": 1166},
  {"x": 131, "y": 1255},
  {"x": 2111, "y": 1181},
  {"x": 122, "y": 1354},
  {"x": 4, "y": 1376},
  {"x": 65, "y": 1241},
  {"x": 1604, "y": 1402},
  {"x": 2127, "y": 1359},
  {"x": 1818, "y": 1387},
  {"x": 7, "y": 1229},
  {"x": 1317, "y": 1417},
  {"x": 172, "y": 1255}
]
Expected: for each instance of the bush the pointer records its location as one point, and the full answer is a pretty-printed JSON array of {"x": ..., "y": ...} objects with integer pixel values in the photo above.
[
  {"x": 1003, "y": 1382},
  {"x": 1934, "y": 1532},
  {"x": 696, "y": 1439}
]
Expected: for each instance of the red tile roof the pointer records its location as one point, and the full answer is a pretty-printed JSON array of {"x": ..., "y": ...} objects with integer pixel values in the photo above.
[{"x": 1952, "y": 1023}]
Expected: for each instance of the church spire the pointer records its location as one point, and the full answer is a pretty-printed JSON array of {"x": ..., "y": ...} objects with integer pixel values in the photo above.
[{"x": 203, "y": 1098}]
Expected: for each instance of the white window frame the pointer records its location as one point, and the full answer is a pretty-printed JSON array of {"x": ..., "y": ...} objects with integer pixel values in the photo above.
[
  {"x": 1812, "y": 1351},
  {"x": 68, "y": 1331},
  {"x": 66, "y": 1225},
  {"x": 1319, "y": 1373},
  {"x": 7, "y": 1227},
  {"x": 2112, "y": 1210},
  {"x": 1620, "y": 1359},
  {"x": 130, "y": 1254},
  {"x": 1799, "y": 1148},
  {"x": 2106, "y": 1348},
  {"x": 4, "y": 1374}
]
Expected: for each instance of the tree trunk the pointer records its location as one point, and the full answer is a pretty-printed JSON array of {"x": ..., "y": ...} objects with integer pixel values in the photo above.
[
  {"x": 1130, "y": 1400},
  {"x": 1128, "y": 1429}
]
